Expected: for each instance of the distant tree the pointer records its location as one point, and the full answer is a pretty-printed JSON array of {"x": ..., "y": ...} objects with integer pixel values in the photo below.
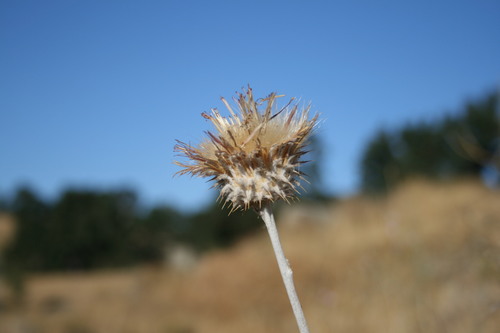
[
  {"x": 31, "y": 213},
  {"x": 4, "y": 204},
  {"x": 28, "y": 238},
  {"x": 151, "y": 234},
  {"x": 476, "y": 139},
  {"x": 379, "y": 168},
  {"x": 89, "y": 230},
  {"x": 463, "y": 144},
  {"x": 214, "y": 227},
  {"x": 82, "y": 230},
  {"x": 420, "y": 150}
]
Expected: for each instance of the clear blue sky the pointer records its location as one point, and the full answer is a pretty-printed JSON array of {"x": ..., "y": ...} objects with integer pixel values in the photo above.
[{"x": 94, "y": 93}]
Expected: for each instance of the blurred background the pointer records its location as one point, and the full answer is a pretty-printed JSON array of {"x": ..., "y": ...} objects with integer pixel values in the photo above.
[{"x": 398, "y": 231}]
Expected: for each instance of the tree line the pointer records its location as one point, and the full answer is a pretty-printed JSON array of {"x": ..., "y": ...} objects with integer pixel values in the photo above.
[
  {"x": 86, "y": 229},
  {"x": 466, "y": 143}
]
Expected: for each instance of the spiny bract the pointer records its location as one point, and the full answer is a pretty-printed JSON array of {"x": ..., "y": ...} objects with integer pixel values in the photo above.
[{"x": 254, "y": 157}]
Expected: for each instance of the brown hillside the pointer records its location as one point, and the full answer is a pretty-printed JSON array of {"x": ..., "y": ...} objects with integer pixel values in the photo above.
[{"x": 425, "y": 259}]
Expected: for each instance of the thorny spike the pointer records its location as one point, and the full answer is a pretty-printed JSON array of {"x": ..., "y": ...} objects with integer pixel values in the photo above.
[
  {"x": 228, "y": 107},
  {"x": 284, "y": 108},
  {"x": 270, "y": 99}
]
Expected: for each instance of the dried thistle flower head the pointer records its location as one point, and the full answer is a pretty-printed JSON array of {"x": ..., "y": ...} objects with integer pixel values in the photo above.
[{"x": 254, "y": 157}]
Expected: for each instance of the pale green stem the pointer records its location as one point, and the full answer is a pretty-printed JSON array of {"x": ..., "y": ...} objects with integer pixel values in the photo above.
[{"x": 286, "y": 272}]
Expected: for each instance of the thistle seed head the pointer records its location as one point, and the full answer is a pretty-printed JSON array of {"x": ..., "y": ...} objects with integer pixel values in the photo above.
[{"x": 254, "y": 156}]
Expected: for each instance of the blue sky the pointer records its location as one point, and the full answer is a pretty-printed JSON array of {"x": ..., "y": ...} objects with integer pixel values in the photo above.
[{"x": 94, "y": 93}]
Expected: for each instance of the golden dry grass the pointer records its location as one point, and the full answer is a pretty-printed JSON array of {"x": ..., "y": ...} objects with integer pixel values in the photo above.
[{"x": 425, "y": 259}]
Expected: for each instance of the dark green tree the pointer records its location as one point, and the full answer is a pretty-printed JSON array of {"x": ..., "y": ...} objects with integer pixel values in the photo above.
[
  {"x": 214, "y": 228},
  {"x": 28, "y": 249},
  {"x": 89, "y": 230},
  {"x": 379, "y": 168},
  {"x": 152, "y": 233},
  {"x": 420, "y": 151},
  {"x": 475, "y": 138},
  {"x": 461, "y": 144}
]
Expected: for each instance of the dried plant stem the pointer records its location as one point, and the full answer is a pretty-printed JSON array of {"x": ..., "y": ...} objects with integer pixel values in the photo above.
[{"x": 286, "y": 272}]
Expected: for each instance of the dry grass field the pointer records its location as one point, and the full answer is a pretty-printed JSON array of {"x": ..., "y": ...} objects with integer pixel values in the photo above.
[{"x": 425, "y": 259}]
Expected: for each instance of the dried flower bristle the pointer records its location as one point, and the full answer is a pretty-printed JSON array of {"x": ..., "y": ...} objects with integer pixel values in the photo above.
[{"x": 254, "y": 157}]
